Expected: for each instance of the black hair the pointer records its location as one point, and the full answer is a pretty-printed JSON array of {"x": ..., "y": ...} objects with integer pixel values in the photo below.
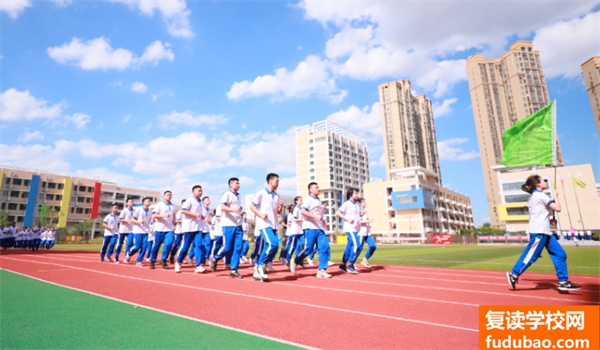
[
  {"x": 350, "y": 192},
  {"x": 531, "y": 183},
  {"x": 113, "y": 205},
  {"x": 232, "y": 180},
  {"x": 270, "y": 176},
  {"x": 182, "y": 201},
  {"x": 360, "y": 200},
  {"x": 291, "y": 207},
  {"x": 195, "y": 187},
  {"x": 297, "y": 199},
  {"x": 205, "y": 197},
  {"x": 311, "y": 185},
  {"x": 129, "y": 199},
  {"x": 243, "y": 213},
  {"x": 148, "y": 198},
  {"x": 167, "y": 191}
]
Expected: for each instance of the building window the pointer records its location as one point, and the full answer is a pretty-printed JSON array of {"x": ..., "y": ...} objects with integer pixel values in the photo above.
[
  {"x": 517, "y": 211},
  {"x": 7, "y": 181},
  {"x": 14, "y": 194},
  {"x": 312, "y": 177},
  {"x": 59, "y": 197},
  {"x": 51, "y": 185},
  {"x": 12, "y": 206},
  {"x": 24, "y": 194},
  {"x": 518, "y": 198},
  {"x": 88, "y": 210},
  {"x": 88, "y": 200},
  {"x": 312, "y": 170},
  {"x": 50, "y": 196},
  {"x": 311, "y": 149},
  {"x": 26, "y": 182},
  {"x": 513, "y": 186},
  {"x": 312, "y": 162},
  {"x": 79, "y": 210},
  {"x": 312, "y": 155},
  {"x": 407, "y": 199},
  {"x": 61, "y": 186},
  {"x": 17, "y": 182},
  {"x": 22, "y": 206},
  {"x": 90, "y": 189}
]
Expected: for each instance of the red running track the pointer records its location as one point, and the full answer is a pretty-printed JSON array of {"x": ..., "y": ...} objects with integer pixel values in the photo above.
[{"x": 387, "y": 307}]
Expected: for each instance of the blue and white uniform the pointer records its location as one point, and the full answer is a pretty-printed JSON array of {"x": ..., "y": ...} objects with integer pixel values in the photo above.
[
  {"x": 178, "y": 235},
  {"x": 217, "y": 232},
  {"x": 190, "y": 226},
  {"x": 294, "y": 232},
  {"x": 314, "y": 231},
  {"x": 140, "y": 232},
  {"x": 267, "y": 202},
  {"x": 231, "y": 224},
  {"x": 204, "y": 239},
  {"x": 365, "y": 233},
  {"x": 245, "y": 241},
  {"x": 110, "y": 236},
  {"x": 163, "y": 230},
  {"x": 125, "y": 231},
  {"x": 351, "y": 209},
  {"x": 540, "y": 237}
]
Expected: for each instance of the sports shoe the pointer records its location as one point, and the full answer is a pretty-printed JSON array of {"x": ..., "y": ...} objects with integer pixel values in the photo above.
[
  {"x": 235, "y": 274},
  {"x": 117, "y": 261},
  {"x": 172, "y": 260},
  {"x": 310, "y": 262},
  {"x": 323, "y": 274},
  {"x": 227, "y": 266},
  {"x": 293, "y": 266},
  {"x": 262, "y": 270},
  {"x": 270, "y": 267},
  {"x": 512, "y": 279},
  {"x": 568, "y": 286},
  {"x": 101, "y": 259},
  {"x": 127, "y": 259},
  {"x": 213, "y": 265},
  {"x": 302, "y": 264},
  {"x": 109, "y": 258},
  {"x": 163, "y": 263},
  {"x": 190, "y": 261},
  {"x": 283, "y": 261},
  {"x": 365, "y": 263},
  {"x": 343, "y": 268},
  {"x": 147, "y": 260},
  {"x": 250, "y": 261},
  {"x": 140, "y": 264},
  {"x": 177, "y": 267},
  {"x": 351, "y": 269},
  {"x": 199, "y": 269},
  {"x": 330, "y": 263},
  {"x": 151, "y": 265},
  {"x": 256, "y": 276}
]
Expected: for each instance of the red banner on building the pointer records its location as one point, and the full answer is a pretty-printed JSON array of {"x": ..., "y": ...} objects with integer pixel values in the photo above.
[
  {"x": 441, "y": 239},
  {"x": 96, "y": 201}
]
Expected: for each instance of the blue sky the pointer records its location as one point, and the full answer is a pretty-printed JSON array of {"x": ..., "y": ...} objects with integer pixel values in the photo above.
[{"x": 164, "y": 95}]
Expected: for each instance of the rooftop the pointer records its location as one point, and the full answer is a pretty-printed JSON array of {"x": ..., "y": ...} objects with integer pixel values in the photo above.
[
  {"x": 39, "y": 172},
  {"x": 326, "y": 125}
]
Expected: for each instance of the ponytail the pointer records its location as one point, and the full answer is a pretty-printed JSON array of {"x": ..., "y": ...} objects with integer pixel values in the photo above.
[{"x": 531, "y": 183}]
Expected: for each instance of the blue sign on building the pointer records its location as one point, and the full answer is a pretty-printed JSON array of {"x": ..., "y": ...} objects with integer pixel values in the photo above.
[
  {"x": 413, "y": 199},
  {"x": 31, "y": 200}
]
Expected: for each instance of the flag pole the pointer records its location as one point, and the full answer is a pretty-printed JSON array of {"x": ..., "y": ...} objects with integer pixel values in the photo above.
[
  {"x": 578, "y": 207},
  {"x": 562, "y": 181}
]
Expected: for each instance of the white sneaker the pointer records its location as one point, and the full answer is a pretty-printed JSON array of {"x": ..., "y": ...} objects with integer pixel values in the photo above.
[
  {"x": 310, "y": 262},
  {"x": 199, "y": 269},
  {"x": 227, "y": 266},
  {"x": 293, "y": 266},
  {"x": 256, "y": 275},
  {"x": 177, "y": 267},
  {"x": 127, "y": 259},
  {"x": 139, "y": 264},
  {"x": 250, "y": 261},
  {"x": 191, "y": 262},
  {"x": 270, "y": 267},
  {"x": 262, "y": 270},
  {"x": 329, "y": 263},
  {"x": 323, "y": 274},
  {"x": 117, "y": 262},
  {"x": 365, "y": 263}
]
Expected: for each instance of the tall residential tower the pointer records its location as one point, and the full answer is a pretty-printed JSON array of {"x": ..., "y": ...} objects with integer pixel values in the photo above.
[
  {"x": 503, "y": 91},
  {"x": 591, "y": 73}
]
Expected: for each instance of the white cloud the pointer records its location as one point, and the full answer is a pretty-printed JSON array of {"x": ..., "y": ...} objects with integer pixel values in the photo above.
[
  {"x": 441, "y": 110},
  {"x": 138, "y": 86},
  {"x": 174, "y": 13},
  {"x": 34, "y": 156},
  {"x": 154, "y": 98},
  {"x": 14, "y": 8},
  {"x": 98, "y": 54},
  {"x": 446, "y": 150},
  {"x": 30, "y": 136},
  {"x": 311, "y": 77},
  {"x": 288, "y": 186},
  {"x": 79, "y": 119},
  {"x": 126, "y": 118},
  {"x": 374, "y": 40},
  {"x": 276, "y": 152},
  {"x": 365, "y": 122},
  {"x": 188, "y": 118},
  {"x": 564, "y": 46},
  {"x": 63, "y": 3},
  {"x": 21, "y": 105}
]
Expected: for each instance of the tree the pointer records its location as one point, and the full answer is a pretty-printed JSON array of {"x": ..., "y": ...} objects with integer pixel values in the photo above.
[
  {"x": 487, "y": 224},
  {"x": 83, "y": 229},
  {"x": 4, "y": 214},
  {"x": 50, "y": 217}
]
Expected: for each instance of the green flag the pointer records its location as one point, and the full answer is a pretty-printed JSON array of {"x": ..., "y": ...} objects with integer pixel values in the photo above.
[
  {"x": 43, "y": 213},
  {"x": 578, "y": 182},
  {"x": 531, "y": 141}
]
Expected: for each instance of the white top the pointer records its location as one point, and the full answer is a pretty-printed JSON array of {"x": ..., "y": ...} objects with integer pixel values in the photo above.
[
  {"x": 51, "y": 235},
  {"x": 112, "y": 221},
  {"x": 178, "y": 229},
  {"x": 246, "y": 229},
  {"x": 164, "y": 224},
  {"x": 217, "y": 231},
  {"x": 268, "y": 203},
  {"x": 37, "y": 231},
  {"x": 290, "y": 218},
  {"x": 229, "y": 219},
  {"x": 151, "y": 235},
  {"x": 145, "y": 215},
  {"x": 539, "y": 213},
  {"x": 365, "y": 229},
  {"x": 204, "y": 224},
  {"x": 126, "y": 214},
  {"x": 351, "y": 210},
  {"x": 190, "y": 223},
  {"x": 314, "y": 206}
]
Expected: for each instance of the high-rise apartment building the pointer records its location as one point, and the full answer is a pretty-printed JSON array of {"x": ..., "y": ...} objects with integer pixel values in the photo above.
[
  {"x": 591, "y": 74},
  {"x": 70, "y": 198},
  {"x": 408, "y": 128},
  {"x": 336, "y": 159},
  {"x": 503, "y": 91}
]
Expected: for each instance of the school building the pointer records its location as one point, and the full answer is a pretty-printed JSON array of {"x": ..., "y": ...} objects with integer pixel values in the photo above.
[
  {"x": 70, "y": 199},
  {"x": 580, "y": 205}
]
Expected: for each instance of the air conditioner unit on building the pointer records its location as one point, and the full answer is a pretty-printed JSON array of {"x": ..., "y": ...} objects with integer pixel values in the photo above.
[
  {"x": 10, "y": 185},
  {"x": 44, "y": 201},
  {"x": 12, "y": 173},
  {"x": 76, "y": 192},
  {"x": 8, "y": 199},
  {"x": 78, "y": 182},
  {"x": 47, "y": 178},
  {"x": 76, "y": 203}
]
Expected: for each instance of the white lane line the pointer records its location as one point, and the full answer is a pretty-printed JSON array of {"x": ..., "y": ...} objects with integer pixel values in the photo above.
[
  {"x": 474, "y": 262},
  {"x": 315, "y": 287},
  {"x": 169, "y": 313},
  {"x": 262, "y": 298}
]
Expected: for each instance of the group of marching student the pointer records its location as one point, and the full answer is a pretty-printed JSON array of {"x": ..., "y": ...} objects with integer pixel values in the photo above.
[
  {"x": 26, "y": 238},
  {"x": 222, "y": 233}
]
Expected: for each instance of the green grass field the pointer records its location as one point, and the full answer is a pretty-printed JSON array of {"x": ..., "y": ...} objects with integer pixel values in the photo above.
[
  {"x": 39, "y": 315},
  {"x": 581, "y": 261}
]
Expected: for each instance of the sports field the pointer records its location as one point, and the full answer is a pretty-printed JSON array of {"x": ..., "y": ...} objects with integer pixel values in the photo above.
[{"x": 414, "y": 297}]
